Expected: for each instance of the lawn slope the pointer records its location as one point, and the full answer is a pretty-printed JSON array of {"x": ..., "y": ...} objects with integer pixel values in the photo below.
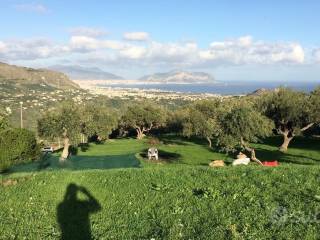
[
  {"x": 170, "y": 203},
  {"x": 110, "y": 191}
]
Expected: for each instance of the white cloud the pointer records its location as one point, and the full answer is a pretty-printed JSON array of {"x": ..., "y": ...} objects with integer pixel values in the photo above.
[
  {"x": 244, "y": 50},
  {"x": 86, "y": 44},
  {"x": 31, "y": 49},
  {"x": 3, "y": 47},
  {"x": 134, "y": 52},
  {"x": 32, "y": 7},
  {"x": 240, "y": 51},
  {"x": 245, "y": 41},
  {"x": 172, "y": 53},
  {"x": 87, "y": 31},
  {"x": 136, "y": 36},
  {"x": 316, "y": 55}
]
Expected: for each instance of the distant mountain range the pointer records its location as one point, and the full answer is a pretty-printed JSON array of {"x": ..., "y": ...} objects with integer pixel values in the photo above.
[
  {"x": 76, "y": 72},
  {"x": 179, "y": 77},
  {"x": 85, "y": 73},
  {"x": 29, "y": 76}
]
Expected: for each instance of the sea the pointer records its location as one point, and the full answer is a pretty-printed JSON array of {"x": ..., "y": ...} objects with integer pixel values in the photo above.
[{"x": 226, "y": 88}]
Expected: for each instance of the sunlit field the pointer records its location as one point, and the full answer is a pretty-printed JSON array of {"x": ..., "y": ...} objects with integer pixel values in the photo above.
[{"x": 179, "y": 197}]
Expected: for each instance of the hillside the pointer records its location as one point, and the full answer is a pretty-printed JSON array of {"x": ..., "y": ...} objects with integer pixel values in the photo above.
[
  {"x": 179, "y": 77},
  {"x": 115, "y": 197},
  {"x": 30, "y": 76},
  {"x": 85, "y": 73}
]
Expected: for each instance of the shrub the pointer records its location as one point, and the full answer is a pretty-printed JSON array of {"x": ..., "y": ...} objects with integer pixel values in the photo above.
[
  {"x": 153, "y": 141},
  {"x": 17, "y": 146}
]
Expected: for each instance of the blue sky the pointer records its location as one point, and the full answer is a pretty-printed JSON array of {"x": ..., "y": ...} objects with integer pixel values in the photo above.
[{"x": 233, "y": 40}]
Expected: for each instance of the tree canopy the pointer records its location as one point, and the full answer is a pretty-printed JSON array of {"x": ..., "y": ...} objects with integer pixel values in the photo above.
[
  {"x": 143, "y": 117},
  {"x": 202, "y": 119},
  {"x": 292, "y": 112},
  {"x": 57, "y": 122},
  {"x": 98, "y": 120},
  {"x": 242, "y": 126},
  {"x": 76, "y": 123},
  {"x": 62, "y": 122},
  {"x": 4, "y": 123}
]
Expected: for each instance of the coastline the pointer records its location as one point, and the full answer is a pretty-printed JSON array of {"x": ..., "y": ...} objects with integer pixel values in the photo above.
[
  {"x": 123, "y": 92},
  {"x": 185, "y": 90}
]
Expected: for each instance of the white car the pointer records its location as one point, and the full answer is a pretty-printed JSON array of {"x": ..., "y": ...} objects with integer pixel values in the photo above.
[{"x": 47, "y": 149}]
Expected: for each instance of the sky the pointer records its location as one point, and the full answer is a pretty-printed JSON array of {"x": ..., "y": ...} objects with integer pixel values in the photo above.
[{"x": 235, "y": 40}]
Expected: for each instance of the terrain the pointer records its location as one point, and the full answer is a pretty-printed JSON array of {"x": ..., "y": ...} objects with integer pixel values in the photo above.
[
  {"x": 85, "y": 73},
  {"x": 29, "y": 76},
  {"x": 178, "y": 198},
  {"x": 36, "y": 99}
]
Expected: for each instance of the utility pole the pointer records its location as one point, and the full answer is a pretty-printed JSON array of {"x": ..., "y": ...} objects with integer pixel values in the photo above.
[{"x": 21, "y": 118}]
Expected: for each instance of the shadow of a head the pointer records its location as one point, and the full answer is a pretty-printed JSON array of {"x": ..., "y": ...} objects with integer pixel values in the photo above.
[{"x": 73, "y": 213}]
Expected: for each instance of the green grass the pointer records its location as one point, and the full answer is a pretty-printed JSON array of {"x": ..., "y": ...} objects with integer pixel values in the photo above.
[
  {"x": 301, "y": 151},
  {"x": 180, "y": 199},
  {"x": 125, "y": 153}
]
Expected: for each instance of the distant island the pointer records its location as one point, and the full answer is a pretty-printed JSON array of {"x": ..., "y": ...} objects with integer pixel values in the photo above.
[
  {"x": 178, "y": 77},
  {"x": 76, "y": 72}
]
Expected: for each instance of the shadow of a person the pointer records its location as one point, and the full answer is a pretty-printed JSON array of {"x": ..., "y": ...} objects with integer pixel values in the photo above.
[{"x": 73, "y": 213}]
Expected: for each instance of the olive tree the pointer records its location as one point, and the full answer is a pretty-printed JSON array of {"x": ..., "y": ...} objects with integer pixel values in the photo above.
[
  {"x": 242, "y": 126},
  {"x": 292, "y": 112},
  {"x": 143, "y": 117},
  {"x": 63, "y": 122},
  {"x": 202, "y": 119},
  {"x": 97, "y": 121},
  {"x": 3, "y": 123},
  {"x": 315, "y": 106}
]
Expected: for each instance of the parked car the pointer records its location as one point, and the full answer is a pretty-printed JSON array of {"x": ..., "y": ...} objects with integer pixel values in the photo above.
[{"x": 47, "y": 149}]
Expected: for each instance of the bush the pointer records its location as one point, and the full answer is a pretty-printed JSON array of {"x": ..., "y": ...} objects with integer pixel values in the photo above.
[
  {"x": 153, "y": 141},
  {"x": 17, "y": 146}
]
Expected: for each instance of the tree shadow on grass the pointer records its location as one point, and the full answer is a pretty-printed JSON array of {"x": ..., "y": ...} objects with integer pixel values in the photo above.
[
  {"x": 73, "y": 214},
  {"x": 44, "y": 161},
  {"x": 270, "y": 155},
  {"x": 104, "y": 162},
  {"x": 173, "y": 140},
  {"x": 164, "y": 156},
  {"x": 84, "y": 147},
  {"x": 306, "y": 143},
  {"x": 298, "y": 142},
  {"x": 80, "y": 163}
]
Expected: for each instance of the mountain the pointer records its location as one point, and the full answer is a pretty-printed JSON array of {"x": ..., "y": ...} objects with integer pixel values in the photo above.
[
  {"x": 262, "y": 91},
  {"x": 85, "y": 73},
  {"x": 30, "y": 76},
  {"x": 179, "y": 77}
]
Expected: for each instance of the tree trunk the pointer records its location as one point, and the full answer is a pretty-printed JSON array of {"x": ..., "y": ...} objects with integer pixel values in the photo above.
[
  {"x": 66, "y": 145},
  {"x": 286, "y": 141},
  {"x": 65, "y": 152},
  {"x": 288, "y": 136},
  {"x": 252, "y": 152},
  {"x": 83, "y": 138},
  {"x": 140, "y": 134},
  {"x": 59, "y": 143},
  {"x": 209, "y": 141}
]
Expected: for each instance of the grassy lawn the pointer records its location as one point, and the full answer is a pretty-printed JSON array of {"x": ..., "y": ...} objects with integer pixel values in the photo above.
[
  {"x": 126, "y": 153},
  {"x": 119, "y": 195}
]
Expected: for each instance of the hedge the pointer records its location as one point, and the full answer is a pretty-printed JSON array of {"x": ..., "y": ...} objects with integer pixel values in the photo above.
[{"x": 17, "y": 146}]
